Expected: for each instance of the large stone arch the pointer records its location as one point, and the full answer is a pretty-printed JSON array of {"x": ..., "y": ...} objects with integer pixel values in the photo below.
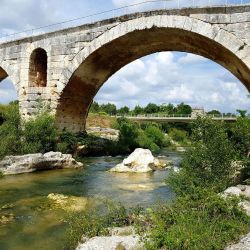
[{"x": 130, "y": 40}]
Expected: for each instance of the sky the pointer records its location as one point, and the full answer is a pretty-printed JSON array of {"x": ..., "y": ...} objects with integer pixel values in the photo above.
[{"x": 166, "y": 77}]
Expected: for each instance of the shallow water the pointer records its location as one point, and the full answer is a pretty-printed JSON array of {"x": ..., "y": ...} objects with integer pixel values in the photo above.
[{"x": 33, "y": 223}]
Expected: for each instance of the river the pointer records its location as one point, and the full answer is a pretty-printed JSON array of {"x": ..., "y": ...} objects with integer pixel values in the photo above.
[{"x": 27, "y": 219}]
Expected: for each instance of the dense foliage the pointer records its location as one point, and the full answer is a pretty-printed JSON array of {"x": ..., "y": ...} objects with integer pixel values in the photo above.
[
  {"x": 208, "y": 163},
  {"x": 200, "y": 218},
  {"x": 239, "y": 134},
  {"x": 205, "y": 222},
  {"x": 178, "y": 135},
  {"x": 39, "y": 134},
  {"x": 20, "y": 137},
  {"x": 151, "y": 108},
  {"x": 133, "y": 135},
  {"x": 10, "y": 132}
]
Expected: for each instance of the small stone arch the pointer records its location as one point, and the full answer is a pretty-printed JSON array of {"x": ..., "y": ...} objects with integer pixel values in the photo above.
[
  {"x": 7, "y": 72},
  {"x": 38, "y": 68},
  {"x": 3, "y": 74}
]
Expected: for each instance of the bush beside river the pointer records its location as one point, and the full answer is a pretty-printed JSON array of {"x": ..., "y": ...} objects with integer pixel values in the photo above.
[{"x": 40, "y": 134}]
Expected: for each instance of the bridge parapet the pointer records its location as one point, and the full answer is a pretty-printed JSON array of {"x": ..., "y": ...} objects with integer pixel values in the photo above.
[
  {"x": 162, "y": 118},
  {"x": 171, "y": 7}
]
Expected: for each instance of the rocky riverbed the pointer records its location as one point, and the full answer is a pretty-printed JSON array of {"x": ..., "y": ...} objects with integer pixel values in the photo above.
[{"x": 35, "y": 206}]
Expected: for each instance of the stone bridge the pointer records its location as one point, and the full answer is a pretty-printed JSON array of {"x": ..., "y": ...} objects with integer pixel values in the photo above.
[{"x": 66, "y": 68}]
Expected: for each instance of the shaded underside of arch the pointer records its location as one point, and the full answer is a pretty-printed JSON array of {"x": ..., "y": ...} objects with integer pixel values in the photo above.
[
  {"x": 108, "y": 59},
  {"x": 3, "y": 74}
]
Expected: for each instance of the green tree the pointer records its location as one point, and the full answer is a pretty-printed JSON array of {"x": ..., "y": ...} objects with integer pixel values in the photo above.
[
  {"x": 123, "y": 110},
  {"x": 151, "y": 108},
  {"x": 108, "y": 108},
  {"x": 10, "y": 132},
  {"x": 144, "y": 141},
  {"x": 208, "y": 163},
  {"x": 153, "y": 132},
  {"x": 39, "y": 134},
  {"x": 183, "y": 109},
  {"x": 242, "y": 112},
  {"x": 241, "y": 136},
  {"x": 167, "y": 108},
  {"x": 94, "y": 108},
  {"x": 128, "y": 134},
  {"x": 138, "y": 110},
  {"x": 214, "y": 112},
  {"x": 178, "y": 134}
]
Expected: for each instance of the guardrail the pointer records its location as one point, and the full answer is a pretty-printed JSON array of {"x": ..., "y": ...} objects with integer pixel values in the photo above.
[
  {"x": 124, "y": 10},
  {"x": 177, "y": 116},
  {"x": 174, "y": 116}
]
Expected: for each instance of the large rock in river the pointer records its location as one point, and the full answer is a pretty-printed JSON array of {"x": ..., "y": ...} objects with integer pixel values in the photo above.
[
  {"x": 140, "y": 161},
  {"x": 36, "y": 162}
]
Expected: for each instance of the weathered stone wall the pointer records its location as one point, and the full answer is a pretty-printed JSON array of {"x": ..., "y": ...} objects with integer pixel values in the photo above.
[{"x": 81, "y": 59}]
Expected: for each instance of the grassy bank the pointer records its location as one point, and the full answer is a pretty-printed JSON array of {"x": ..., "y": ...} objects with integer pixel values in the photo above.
[{"x": 100, "y": 120}]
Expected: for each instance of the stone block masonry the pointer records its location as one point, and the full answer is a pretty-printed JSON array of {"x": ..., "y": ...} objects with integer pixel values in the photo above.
[{"x": 66, "y": 68}]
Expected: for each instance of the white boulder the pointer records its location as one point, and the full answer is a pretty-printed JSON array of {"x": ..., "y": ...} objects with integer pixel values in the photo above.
[
  {"x": 36, "y": 162},
  {"x": 244, "y": 244},
  {"x": 240, "y": 190},
  {"x": 140, "y": 161},
  {"x": 120, "y": 238},
  {"x": 130, "y": 242}
]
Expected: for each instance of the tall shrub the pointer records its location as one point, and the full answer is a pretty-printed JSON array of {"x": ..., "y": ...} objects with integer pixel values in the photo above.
[
  {"x": 208, "y": 163},
  {"x": 39, "y": 134},
  {"x": 10, "y": 131}
]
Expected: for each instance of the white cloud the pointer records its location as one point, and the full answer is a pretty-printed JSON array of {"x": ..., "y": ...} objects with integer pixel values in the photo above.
[
  {"x": 216, "y": 98},
  {"x": 162, "y": 78},
  {"x": 191, "y": 58},
  {"x": 7, "y": 91},
  {"x": 120, "y": 3},
  {"x": 129, "y": 88},
  {"x": 164, "y": 4},
  {"x": 166, "y": 58},
  {"x": 180, "y": 93},
  {"x": 133, "y": 68}
]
